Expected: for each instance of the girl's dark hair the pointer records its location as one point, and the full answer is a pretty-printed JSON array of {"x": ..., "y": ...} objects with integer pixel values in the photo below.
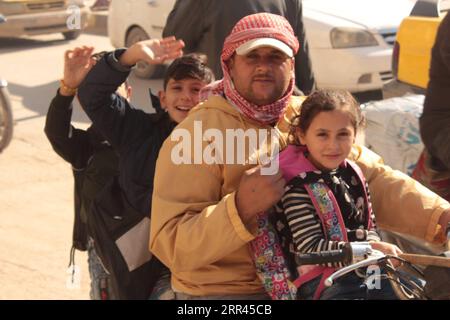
[
  {"x": 324, "y": 101},
  {"x": 192, "y": 66}
]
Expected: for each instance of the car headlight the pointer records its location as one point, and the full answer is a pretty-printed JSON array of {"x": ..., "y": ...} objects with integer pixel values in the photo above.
[{"x": 351, "y": 38}]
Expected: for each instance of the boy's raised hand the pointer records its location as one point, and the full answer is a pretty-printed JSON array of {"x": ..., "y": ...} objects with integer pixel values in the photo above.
[
  {"x": 153, "y": 51},
  {"x": 77, "y": 64}
]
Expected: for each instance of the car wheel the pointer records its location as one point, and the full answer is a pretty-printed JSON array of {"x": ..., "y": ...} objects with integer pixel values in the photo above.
[
  {"x": 71, "y": 35},
  {"x": 142, "y": 69}
]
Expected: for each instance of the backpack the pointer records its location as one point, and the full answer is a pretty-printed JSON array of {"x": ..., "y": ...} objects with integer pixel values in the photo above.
[
  {"x": 121, "y": 237},
  {"x": 89, "y": 181}
]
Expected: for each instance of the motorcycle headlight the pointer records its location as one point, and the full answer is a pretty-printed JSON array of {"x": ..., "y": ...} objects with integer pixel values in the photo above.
[{"x": 351, "y": 38}]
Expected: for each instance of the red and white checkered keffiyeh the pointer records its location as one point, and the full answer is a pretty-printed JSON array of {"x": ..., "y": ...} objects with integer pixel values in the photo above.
[{"x": 260, "y": 25}]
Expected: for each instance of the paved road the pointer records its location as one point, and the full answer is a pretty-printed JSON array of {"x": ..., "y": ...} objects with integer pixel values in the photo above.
[{"x": 36, "y": 205}]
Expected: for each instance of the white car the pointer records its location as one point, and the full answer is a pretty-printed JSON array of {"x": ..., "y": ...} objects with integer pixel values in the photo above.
[
  {"x": 350, "y": 41},
  {"x": 130, "y": 21}
]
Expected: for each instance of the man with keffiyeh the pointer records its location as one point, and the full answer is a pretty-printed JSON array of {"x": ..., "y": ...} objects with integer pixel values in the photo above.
[
  {"x": 203, "y": 25},
  {"x": 204, "y": 215}
]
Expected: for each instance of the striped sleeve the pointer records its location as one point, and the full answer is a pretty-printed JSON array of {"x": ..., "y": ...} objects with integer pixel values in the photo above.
[{"x": 305, "y": 225}]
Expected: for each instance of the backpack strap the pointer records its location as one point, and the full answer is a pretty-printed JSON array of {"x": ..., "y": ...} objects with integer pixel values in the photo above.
[
  {"x": 270, "y": 264},
  {"x": 328, "y": 210}
]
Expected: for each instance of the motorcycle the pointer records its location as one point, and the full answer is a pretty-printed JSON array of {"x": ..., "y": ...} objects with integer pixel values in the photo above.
[
  {"x": 6, "y": 119},
  {"x": 418, "y": 277}
]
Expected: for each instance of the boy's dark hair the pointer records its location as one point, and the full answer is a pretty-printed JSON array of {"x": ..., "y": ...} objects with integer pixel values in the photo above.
[
  {"x": 191, "y": 66},
  {"x": 323, "y": 101}
]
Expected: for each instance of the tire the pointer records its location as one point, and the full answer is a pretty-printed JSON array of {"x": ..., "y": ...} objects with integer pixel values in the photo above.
[
  {"x": 142, "y": 69},
  {"x": 71, "y": 35},
  {"x": 6, "y": 119}
]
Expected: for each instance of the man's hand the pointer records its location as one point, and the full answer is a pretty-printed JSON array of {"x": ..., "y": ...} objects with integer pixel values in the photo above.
[
  {"x": 257, "y": 193},
  {"x": 77, "y": 64},
  {"x": 388, "y": 248},
  {"x": 153, "y": 51}
]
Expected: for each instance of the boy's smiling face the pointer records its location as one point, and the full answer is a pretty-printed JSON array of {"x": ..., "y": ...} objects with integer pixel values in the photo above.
[{"x": 180, "y": 97}]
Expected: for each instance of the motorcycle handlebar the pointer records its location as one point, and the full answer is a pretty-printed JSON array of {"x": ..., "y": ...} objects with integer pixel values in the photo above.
[{"x": 343, "y": 255}]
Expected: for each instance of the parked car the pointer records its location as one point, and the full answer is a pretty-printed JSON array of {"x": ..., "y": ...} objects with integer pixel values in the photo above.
[
  {"x": 36, "y": 17},
  {"x": 130, "y": 21},
  {"x": 350, "y": 41},
  {"x": 415, "y": 39}
]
